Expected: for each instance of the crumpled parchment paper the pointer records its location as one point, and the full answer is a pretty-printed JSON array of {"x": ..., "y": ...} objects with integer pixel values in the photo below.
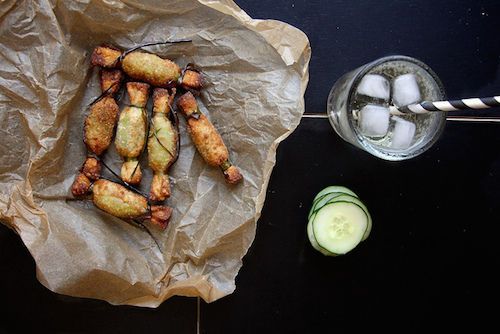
[{"x": 256, "y": 73}]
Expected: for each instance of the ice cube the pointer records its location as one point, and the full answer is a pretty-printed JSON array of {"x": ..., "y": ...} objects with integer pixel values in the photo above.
[
  {"x": 376, "y": 86},
  {"x": 374, "y": 120},
  {"x": 405, "y": 90},
  {"x": 403, "y": 133}
]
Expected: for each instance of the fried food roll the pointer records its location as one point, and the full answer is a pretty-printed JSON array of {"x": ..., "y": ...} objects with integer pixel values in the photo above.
[
  {"x": 98, "y": 129},
  {"x": 123, "y": 203},
  {"x": 99, "y": 124},
  {"x": 162, "y": 144},
  {"x": 147, "y": 67},
  {"x": 131, "y": 132},
  {"x": 90, "y": 171},
  {"x": 207, "y": 140},
  {"x": 101, "y": 120},
  {"x": 150, "y": 68}
]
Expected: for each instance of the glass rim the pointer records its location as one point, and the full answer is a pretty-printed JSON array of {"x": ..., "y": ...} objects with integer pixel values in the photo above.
[{"x": 368, "y": 66}]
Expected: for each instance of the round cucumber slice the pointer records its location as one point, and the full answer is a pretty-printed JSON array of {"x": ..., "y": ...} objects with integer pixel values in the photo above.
[
  {"x": 339, "y": 227},
  {"x": 355, "y": 200},
  {"x": 335, "y": 189},
  {"x": 314, "y": 243}
]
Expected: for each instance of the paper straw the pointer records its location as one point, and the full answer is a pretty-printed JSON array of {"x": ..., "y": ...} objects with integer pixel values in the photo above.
[{"x": 452, "y": 105}]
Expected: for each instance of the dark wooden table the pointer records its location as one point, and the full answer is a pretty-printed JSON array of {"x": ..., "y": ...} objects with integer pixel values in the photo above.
[{"x": 432, "y": 257}]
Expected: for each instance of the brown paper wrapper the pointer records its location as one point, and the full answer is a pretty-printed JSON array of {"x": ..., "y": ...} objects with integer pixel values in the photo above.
[{"x": 256, "y": 73}]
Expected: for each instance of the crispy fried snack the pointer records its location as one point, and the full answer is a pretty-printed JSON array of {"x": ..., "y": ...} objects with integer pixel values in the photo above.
[
  {"x": 123, "y": 203},
  {"x": 92, "y": 168},
  {"x": 99, "y": 124},
  {"x": 191, "y": 80},
  {"x": 81, "y": 185},
  {"x": 207, "y": 140},
  {"x": 131, "y": 132},
  {"x": 105, "y": 56},
  {"x": 111, "y": 80},
  {"x": 162, "y": 144},
  {"x": 150, "y": 68},
  {"x": 101, "y": 120},
  {"x": 98, "y": 129},
  {"x": 90, "y": 171}
]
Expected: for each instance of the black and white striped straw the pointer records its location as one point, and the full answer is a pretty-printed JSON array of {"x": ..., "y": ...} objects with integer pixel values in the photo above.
[{"x": 452, "y": 105}]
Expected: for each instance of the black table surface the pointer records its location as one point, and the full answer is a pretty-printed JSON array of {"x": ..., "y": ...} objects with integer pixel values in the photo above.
[{"x": 431, "y": 258}]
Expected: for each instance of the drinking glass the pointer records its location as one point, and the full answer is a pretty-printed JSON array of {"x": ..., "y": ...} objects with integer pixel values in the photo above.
[{"x": 345, "y": 103}]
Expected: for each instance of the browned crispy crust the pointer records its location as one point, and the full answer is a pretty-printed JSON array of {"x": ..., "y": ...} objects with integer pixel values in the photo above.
[
  {"x": 160, "y": 215},
  {"x": 192, "y": 80},
  {"x": 138, "y": 93},
  {"x": 207, "y": 140},
  {"x": 151, "y": 68},
  {"x": 204, "y": 135},
  {"x": 131, "y": 172},
  {"x": 92, "y": 168},
  {"x": 233, "y": 175},
  {"x": 100, "y": 124},
  {"x": 81, "y": 185},
  {"x": 111, "y": 79},
  {"x": 160, "y": 98},
  {"x": 163, "y": 100},
  {"x": 187, "y": 104},
  {"x": 160, "y": 188},
  {"x": 105, "y": 56}
]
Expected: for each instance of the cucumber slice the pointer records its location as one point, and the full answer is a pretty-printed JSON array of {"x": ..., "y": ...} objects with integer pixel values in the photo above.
[
  {"x": 324, "y": 195},
  {"x": 321, "y": 201},
  {"x": 339, "y": 226},
  {"x": 314, "y": 243},
  {"x": 335, "y": 189},
  {"x": 355, "y": 200}
]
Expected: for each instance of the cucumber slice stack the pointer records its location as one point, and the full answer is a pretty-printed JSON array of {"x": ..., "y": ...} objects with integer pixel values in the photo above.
[{"x": 338, "y": 221}]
